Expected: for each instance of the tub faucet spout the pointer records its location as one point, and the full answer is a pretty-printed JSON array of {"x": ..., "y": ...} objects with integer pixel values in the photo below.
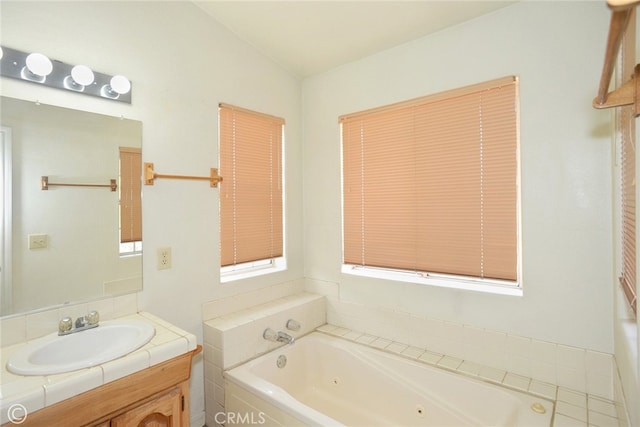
[
  {"x": 285, "y": 338},
  {"x": 271, "y": 335}
]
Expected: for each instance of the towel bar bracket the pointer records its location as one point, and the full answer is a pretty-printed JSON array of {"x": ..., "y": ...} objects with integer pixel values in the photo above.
[{"x": 627, "y": 94}]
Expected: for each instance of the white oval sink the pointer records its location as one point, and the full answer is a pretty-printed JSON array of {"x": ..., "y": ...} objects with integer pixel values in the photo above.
[{"x": 53, "y": 354}]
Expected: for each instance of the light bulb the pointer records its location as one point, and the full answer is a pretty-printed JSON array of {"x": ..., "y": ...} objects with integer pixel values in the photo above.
[
  {"x": 120, "y": 84},
  {"x": 82, "y": 75},
  {"x": 39, "y": 64}
]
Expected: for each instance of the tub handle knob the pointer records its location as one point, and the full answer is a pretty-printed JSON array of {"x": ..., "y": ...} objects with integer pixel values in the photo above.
[
  {"x": 293, "y": 325},
  {"x": 270, "y": 335}
]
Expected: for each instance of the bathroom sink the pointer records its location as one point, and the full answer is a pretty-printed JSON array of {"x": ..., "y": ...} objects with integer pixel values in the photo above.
[{"x": 53, "y": 354}]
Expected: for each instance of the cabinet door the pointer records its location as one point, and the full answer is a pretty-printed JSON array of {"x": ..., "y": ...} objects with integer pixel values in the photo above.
[{"x": 165, "y": 411}]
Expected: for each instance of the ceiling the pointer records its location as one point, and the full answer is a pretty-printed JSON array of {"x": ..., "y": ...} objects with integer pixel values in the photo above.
[{"x": 310, "y": 37}]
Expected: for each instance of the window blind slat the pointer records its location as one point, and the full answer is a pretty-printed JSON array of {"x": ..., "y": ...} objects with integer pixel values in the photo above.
[{"x": 431, "y": 186}]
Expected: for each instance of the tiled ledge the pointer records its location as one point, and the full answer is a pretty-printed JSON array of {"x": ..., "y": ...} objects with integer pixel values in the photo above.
[
  {"x": 572, "y": 408},
  {"x": 590, "y": 371},
  {"x": 230, "y": 305},
  {"x": 238, "y": 337},
  {"x": 37, "y": 392}
]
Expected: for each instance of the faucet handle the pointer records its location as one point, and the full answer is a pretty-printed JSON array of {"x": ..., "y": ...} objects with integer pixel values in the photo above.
[
  {"x": 293, "y": 325},
  {"x": 93, "y": 317},
  {"x": 65, "y": 324},
  {"x": 270, "y": 335}
]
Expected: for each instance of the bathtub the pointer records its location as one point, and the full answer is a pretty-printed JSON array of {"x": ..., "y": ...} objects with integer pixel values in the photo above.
[{"x": 322, "y": 380}]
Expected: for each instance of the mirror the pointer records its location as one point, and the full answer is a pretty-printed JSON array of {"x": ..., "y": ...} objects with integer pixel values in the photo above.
[{"x": 67, "y": 243}]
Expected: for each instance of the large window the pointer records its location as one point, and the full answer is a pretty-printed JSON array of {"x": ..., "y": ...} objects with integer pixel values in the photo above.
[
  {"x": 251, "y": 196},
  {"x": 430, "y": 187}
]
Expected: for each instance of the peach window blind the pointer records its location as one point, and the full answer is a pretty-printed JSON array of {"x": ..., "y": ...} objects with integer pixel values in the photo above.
[
  {"x": 430, "y": 185},
  {"x": 130, "y": 194},
  {"x": 251, "y": 197},
  {"x": 626, "y": 126},
  {"x": 628, "y": 196}
]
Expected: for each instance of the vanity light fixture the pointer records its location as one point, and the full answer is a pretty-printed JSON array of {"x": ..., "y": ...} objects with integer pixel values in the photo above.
[{"x": 38, "y": 68}]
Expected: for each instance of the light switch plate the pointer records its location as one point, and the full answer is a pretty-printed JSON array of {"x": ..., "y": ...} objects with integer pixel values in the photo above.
[{"x": 38, "y": 241}]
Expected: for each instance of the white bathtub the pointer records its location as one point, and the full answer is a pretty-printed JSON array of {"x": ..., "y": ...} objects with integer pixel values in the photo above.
[{"x": 330, "y": 381}]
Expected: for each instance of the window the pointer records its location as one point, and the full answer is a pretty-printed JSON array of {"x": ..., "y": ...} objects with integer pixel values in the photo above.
[
  {"x": 130, "y": 201},
  {"x": 430, "y": 187},
  {"x": 628, "y": 201},
  {"x": 626, "y": 131},
  {"x": 251, "y": 196}
]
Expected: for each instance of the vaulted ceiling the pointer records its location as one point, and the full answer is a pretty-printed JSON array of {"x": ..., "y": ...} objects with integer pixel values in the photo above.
[{"x": 309, "y": 37}]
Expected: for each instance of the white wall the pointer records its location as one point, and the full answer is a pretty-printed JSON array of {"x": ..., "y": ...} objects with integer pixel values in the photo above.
[
  {"x": 182, "y": 64},
  {"x": 556, "y": 49}
]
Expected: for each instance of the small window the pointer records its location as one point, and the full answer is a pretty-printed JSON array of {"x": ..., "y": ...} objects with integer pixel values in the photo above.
[
  {"x": 251, "y": 196},
  {"x": 130, "y": 201},
  {"x": 430, "y": 188}
]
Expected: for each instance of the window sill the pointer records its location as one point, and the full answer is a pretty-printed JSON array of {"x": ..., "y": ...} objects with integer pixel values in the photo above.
[
  {"x": 252, "y": 269},
  {"x": 130, "y": 254},
  {"x": 498, "y": 287}
]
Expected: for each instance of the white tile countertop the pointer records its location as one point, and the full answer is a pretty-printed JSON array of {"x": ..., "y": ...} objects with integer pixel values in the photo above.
[{"x": 31, "y": 393}]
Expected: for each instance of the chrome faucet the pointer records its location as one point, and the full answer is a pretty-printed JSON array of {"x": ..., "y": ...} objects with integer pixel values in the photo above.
[
  {"x": 271, "y": 335},
  {"x": 82, "y": 323},
  {"x": 285, "y": 338}
]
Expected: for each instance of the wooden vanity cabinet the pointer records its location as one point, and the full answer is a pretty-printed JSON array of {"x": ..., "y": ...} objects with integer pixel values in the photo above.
[
  {"x": 164, "y": 411},
  {"x": 154, "y": 397}
]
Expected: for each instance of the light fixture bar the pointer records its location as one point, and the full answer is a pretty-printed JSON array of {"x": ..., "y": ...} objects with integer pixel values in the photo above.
[{"x": 13, "y": 64}]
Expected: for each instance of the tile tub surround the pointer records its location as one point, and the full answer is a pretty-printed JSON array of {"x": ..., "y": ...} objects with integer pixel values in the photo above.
[
  {"x": 589, "y": 372},
  {"x": 236, "y": 337},
  {"x": 572, "y": 408},
  {"x": 37, "y": 392},
  {"x": 580, "y": 369}
]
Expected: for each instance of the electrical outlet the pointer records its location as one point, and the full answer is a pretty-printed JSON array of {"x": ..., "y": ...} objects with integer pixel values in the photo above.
[{"x": 164, "y": 258}]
